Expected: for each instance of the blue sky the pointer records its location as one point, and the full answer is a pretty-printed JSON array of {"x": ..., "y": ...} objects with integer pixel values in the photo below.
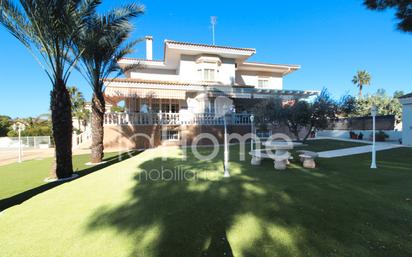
[{"x": 329, "y": 39}]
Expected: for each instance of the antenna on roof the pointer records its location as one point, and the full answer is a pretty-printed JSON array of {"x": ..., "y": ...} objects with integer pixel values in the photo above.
[{"x": 213, "y": 21}]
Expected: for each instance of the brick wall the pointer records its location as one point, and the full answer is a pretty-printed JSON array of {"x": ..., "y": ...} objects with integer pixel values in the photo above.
[{"x": 131, "y": 137}]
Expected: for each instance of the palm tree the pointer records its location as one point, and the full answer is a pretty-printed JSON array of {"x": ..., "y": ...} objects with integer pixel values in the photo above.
[
  {"x": 78, "y": 105},
  {"x": 103, "y": 44},
  {"x": 47, "y": 28},
  {"x": 361, "y": 79}
]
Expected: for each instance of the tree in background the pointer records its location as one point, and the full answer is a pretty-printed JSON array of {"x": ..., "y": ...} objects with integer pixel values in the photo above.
[
  {"x": 387, "y": 105},
  {"x": 5, "y": 124},
  {"x": 398, "y": 94},
  {"x": 47, "y": 29},
  {"x": 403, "y": 11},
  {"x": 298, "y": 115},
  {"x": 346, "y": 106},
  {"x": 117, "y": 109},
  {"x": 35, "y": 126},
  {"x": 78, "y": 106},
  {"x": 267, "y": 111},
  {"x": 322, "y": 110},
  {"x": 362, "y": 78},
  {"x": 102, "y": 44}
]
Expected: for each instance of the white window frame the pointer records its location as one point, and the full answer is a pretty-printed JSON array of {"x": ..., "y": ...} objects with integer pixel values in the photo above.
[
  {"x": 169, "y": 135},
  {"x": 208, "y": 68},
  {"x": 264, "y": 85},
  {"x": 209, "y": 74}
]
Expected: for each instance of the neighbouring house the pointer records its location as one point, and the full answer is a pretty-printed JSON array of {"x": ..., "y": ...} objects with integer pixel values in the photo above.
[
  {"x": 406, "y": 102},
  {"x": 167, "y": 99}
]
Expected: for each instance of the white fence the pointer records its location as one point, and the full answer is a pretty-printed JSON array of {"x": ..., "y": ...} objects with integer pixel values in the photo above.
[
  {"x": 173, "y": 119},
  {"x": 26, "y": 142},
  {"x": 81, "y": 139}
]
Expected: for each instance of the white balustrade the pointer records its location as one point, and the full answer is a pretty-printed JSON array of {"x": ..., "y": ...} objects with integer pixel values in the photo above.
[{"x": 135, "y": 118}]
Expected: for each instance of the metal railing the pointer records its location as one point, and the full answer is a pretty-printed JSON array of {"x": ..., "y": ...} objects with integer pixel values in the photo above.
[{"x": 173, "y": 119}]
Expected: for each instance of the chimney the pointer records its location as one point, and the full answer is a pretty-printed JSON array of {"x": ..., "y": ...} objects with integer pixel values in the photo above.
[{"x": 149, "y": 48}]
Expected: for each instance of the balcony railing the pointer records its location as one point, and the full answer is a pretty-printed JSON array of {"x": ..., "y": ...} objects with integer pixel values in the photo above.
[{"x": 173, "y": 119}]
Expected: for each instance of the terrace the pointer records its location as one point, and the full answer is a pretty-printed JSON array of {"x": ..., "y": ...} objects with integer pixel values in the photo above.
[{"x": 170, "y": 118}]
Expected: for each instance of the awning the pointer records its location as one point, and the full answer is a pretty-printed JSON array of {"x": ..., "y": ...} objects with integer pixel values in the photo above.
[{"x": 124, "y": 92}]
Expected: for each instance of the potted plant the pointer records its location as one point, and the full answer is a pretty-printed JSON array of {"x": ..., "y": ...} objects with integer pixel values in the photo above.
[
  {"x": 381, "y": 136},
  {"x": 353, "y": 135}
]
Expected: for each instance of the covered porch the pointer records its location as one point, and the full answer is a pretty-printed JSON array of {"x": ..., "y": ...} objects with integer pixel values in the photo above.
[
  {"x": 175, "y": 103},
  {"x": 160, "y": 106}
]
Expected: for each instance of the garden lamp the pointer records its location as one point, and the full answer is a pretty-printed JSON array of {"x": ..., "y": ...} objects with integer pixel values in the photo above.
[
  {"x": 374, "y": 112},
  {"x": 252, "y": 119},
  {"x": 19, "y": 127}
]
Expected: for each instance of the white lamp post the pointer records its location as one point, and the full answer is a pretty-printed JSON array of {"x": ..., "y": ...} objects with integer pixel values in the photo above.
[
  {"x": 230, "y": 110},
  {"x": 252, "y": 142},
  {"x": 226, "y": 173},
  {"x": 19, "y": 127},
  {"x": 374, "y": 112}
]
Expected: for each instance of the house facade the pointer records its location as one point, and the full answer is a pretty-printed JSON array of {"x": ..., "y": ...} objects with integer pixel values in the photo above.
[
  {"x": 176, "y": 97},
  {"x": 406, "y": 102}
]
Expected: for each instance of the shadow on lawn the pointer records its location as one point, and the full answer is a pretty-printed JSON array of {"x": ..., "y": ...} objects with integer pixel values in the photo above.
[
  {"x": 257, "y": 212},
  {"x": 21, "y": 197}
]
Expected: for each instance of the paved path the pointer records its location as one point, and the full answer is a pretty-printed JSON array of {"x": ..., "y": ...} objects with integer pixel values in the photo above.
[{"x": 357, "y": 150}]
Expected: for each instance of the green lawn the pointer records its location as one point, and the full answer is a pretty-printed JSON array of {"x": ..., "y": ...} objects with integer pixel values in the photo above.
[
  {"x": 340, "y": 209},
  {"x": 27, "y": 178},
  {"x": 320, "y": 145}
]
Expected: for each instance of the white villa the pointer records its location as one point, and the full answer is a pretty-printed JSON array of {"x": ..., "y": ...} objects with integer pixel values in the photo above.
[{"x": 177, "y": 93}]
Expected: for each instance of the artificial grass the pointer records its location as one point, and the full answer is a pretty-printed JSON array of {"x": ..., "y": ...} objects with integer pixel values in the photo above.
[
  {"x": 17, "y": 178},
  {"x": 342, "y": 208},
  {"x": 320, "y": 145}
]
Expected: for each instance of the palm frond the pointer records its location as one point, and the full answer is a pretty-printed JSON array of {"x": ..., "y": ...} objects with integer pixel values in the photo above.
[
  {"x": 47, "y": 29},
  {"x": 103, "y": 43},
  {"x": 119, "y": 18}
]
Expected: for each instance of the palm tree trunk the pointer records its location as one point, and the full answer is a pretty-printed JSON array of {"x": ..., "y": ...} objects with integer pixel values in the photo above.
[
  {"x": 98, "y": 110},
  {"x": 62, "y": 130},
  {"x": 360, "y": 90}
]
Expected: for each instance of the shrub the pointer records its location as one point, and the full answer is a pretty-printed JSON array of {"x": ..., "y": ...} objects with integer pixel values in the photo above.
[
  {"x": 353, "y": 135},
  {"x": 117, "y": 109},
  {"x": 381, "y": 136}
]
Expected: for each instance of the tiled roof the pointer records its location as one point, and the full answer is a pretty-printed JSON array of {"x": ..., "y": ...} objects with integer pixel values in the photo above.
[
  {"x": 141, "y": 59},
  {"x": 271, "y": 64},
  {"x": 142, "y": 81},
  {"x": 211, "y": 46},
  {"x": 162, "y": 82},
  {"x": 406, "y": 96}
]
